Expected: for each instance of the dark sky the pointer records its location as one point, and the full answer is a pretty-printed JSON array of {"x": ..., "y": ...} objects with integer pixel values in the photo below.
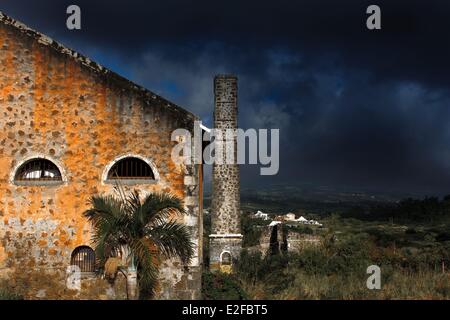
[{"x": 356, "y": 108}]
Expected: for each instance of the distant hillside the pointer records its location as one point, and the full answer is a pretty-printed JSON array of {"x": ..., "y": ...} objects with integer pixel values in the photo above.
[{"x": 313, "y": 199}]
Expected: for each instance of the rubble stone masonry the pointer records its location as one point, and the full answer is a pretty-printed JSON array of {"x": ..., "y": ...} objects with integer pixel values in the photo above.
[
  {"x": 57, "y": 104},
  {"x": 225, "y": 207}
]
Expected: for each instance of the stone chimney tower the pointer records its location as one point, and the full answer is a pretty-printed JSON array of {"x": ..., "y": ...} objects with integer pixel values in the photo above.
[{"x": 225, "y": 239}]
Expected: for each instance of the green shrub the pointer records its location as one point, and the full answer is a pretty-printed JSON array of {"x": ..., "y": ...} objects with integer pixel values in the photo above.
[
  {"x": 301, "y": 229},
  {"x": 272, "y": 270},
  {"x": 219, "y": 286},
  {"x": 8, "y": 294},
  {"x": 248, "y": 266},
  {"x": 414, "y": 261},
  {"x": 251, "y": 229}
]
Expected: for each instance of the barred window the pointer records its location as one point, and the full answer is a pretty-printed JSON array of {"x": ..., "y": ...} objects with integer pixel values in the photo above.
[
  {"x": 38, "y": 170},
  {"x": 131, "y": 169},
  {"x": 84, "y": 258}
]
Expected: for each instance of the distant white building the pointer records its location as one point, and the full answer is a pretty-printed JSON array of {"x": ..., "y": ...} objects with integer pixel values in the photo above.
[
  {"x": 303, "y": 220},
  {"x": 289, "y": 216},
  {"x": 261, "y": 215}
]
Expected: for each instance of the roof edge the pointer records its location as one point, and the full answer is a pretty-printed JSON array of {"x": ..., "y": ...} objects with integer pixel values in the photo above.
[{"x": 147, "y": 95}]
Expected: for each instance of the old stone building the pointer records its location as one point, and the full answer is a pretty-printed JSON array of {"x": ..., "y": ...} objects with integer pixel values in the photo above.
[{"x": 67, "y": 124}]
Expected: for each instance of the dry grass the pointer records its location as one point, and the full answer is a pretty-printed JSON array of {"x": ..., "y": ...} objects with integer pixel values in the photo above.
[{"x": 401, "y": 285}]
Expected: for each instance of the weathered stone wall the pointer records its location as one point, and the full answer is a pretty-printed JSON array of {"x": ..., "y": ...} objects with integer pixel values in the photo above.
[
  {"x": 298, "y": 241},
  {"x": 57, "y": 104},
  {"x": 33, "y": 284},
  {"x": 219, "y": 245},
  {"x": 283, "y": 239},
  {"x": 225, "y": 206}
]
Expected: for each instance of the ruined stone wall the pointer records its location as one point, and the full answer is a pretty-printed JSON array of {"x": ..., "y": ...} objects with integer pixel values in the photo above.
[
  {"x": 283, "y": 239},
  {"x": 225, "y": 206},
  {"x": 57, "y": 104},
  {"x": 298, "y": 241}
]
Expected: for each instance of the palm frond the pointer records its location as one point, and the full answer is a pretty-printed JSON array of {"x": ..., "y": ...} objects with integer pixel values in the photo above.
[
  {"x": 109, "y": 223},
  {"x": 126, "y": 221},
  {"x": 158, "y": 207},
  {"x": 148, "y": 272},
  {"x": 172, "y": 239}
]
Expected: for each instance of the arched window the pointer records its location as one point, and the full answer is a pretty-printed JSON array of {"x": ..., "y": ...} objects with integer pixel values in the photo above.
[
  {"x": 84, "y": 258},
  {"x": 38, "y": 171},
  {"x": 225, "y": 258},
  {"x": 131, "y": 168}
]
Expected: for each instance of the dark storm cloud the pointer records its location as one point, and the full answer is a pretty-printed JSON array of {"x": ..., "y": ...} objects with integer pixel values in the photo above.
[{"x": 355, "y": 107}]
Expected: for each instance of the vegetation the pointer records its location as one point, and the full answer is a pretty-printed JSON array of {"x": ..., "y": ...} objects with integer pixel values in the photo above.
[
  {"x": 139, "y": 232},
  {"x": 7, "y": 293},
  {"x": 429, "y": 209},
  {"x": 218, "y": 286},
  {"x": 409, "y": 241},
  {"x": 337, "y": 270},
  {"x": 252, "y": 229}
]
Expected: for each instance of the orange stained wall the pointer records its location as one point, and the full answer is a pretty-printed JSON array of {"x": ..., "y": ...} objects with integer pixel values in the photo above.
[{"x": 82, "y": 119}]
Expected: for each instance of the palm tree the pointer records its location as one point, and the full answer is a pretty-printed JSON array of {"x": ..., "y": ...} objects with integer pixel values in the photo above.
[{"x": 139, "y": 232}]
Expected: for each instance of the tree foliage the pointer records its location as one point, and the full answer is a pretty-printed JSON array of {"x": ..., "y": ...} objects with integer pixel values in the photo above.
[{"x": 141, "y": 230}]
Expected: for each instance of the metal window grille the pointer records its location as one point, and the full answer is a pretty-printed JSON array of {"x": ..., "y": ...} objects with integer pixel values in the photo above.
[
  {"x": 131, "y": 168},
  {"x": 84, "y": 258},
  {"x": 38, "y": 170}
]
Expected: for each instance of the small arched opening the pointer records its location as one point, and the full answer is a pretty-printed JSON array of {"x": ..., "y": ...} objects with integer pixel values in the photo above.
[
  {"x": 130, "y": 170},
  {"x": 226, "y": 262},
  {"x": 38, "y": 171},
  {"x": 84, "y": 258}
]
